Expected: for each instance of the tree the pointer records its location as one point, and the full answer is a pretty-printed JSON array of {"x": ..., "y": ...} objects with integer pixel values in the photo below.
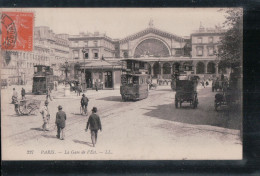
[{"x": 230, "y": 50}]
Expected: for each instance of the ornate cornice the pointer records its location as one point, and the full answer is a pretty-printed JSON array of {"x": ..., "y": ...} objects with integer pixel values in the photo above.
[{"x": 154, "y": 31}]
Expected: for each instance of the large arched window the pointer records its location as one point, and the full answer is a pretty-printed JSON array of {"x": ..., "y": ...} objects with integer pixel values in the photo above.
[
  {"x": 151, "y": 47},
  {"x": 166, "y": 68},
  {"x": 200, "y": 68},
  {"x": 211, "y": 68}
]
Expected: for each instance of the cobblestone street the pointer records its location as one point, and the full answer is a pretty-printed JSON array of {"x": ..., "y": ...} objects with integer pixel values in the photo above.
[{"x": 151, "y": 128}]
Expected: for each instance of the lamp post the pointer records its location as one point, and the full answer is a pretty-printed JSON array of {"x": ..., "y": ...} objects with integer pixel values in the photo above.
[
  {"x": 85, "y": 82},
  {"x": 67, "y": 88},
  {"x": 66, "y": 70}
]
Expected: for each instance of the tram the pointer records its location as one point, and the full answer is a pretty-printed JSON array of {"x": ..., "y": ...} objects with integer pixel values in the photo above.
[
  {"x": 134, "y": 80},
  {"x": 43, "y": 79}
]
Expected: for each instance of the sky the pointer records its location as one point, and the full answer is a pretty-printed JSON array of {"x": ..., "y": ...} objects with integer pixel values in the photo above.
[{"x": 118, "y": 23}]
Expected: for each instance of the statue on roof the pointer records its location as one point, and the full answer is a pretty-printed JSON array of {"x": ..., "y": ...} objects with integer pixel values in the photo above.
[
  {"x": 151, "y": 23},
  {"x": 201, "y": 27}
]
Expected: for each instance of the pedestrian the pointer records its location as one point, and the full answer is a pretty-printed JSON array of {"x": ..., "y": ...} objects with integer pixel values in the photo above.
[
  {"x": 207, "y": 82},
  {"x": 202, "y": 83},
  {"x": 60, "y": 122},
  {"x": 16, "y": 106},
  {"x": 94, "y": 125},
  {"x": 79, "y": 90},
  {"x": 96, "y": 85},
  {"x": 15, "y": 96},
  {"x": 55, "y": 85},
  {"x": 84, "y": 104},
  {"x": 23, "y": 93},
  {"x": 48, "y": 94},
  {"x": 46, "y": 116},
  {"x": 222, "y": 77}
]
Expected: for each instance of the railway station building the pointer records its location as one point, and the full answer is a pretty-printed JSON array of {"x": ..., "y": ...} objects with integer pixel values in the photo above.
[{"x": 97, "y": 58}]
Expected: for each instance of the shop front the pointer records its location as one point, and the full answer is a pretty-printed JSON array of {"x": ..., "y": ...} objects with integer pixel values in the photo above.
[{"x": 100, "y": 75}]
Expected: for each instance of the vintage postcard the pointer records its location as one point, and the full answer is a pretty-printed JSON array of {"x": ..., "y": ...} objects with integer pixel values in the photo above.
[{"x": 121, "y": 83}]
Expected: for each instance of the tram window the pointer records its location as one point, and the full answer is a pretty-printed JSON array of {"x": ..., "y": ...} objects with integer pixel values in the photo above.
[
  {"x": 137, "y": 65},
  {"x": 141, "y": 80},
  {"x": 129, "y": 80},
  {"x": 129, "y": 65},
  {"x": 135, "y": 80},
  {"x": 142, "y": 65}
]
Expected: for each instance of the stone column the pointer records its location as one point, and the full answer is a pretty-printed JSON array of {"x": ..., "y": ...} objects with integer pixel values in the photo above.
[
  {"x": 152, "y": 63},
  {"x": 161, "y": 70},
  {"x": 195, "y": 68},
  {"x": 206, "y": 67},
  {"x": 216, "y": 67},
  {"x": 113, "y": 78}
]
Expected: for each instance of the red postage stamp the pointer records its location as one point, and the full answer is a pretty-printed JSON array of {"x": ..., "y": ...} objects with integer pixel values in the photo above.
[{"x": 17, "y": 31}]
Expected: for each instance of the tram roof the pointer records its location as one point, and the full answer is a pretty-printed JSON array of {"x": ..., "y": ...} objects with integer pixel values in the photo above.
[
  {"x": 134, "y": 59},
  {"x": 41, "y": 66},
  {"x": 100, "y": 64},
  {"x": 134, "y": 74}
]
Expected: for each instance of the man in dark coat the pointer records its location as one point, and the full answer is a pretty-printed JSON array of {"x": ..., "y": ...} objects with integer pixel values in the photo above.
[
  {"x": 48, "y": 94},
  {"x": 60, "y": 122},
  {"x": 23, "y": 93},
  {"x": 94, "y": 125}
]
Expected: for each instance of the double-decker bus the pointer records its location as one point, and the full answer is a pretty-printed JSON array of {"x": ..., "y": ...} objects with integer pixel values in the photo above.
[{"x": 134, "y": 80}]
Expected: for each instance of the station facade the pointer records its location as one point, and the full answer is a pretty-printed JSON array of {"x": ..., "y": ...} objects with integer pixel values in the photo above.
[{"x": 94, "y": 55}]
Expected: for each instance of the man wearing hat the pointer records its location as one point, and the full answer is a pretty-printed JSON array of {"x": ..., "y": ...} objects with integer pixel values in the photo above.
[
  {"x": 15, "y": 96},
  {"x": 84, "y": 103},
  {"x": 45, "y": 115},
  {"x": 60, "y": 122},
  {"x": 94, "y": 125}
]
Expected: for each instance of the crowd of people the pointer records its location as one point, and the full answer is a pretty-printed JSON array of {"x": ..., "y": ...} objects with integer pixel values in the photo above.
[{"x": 93, "y": 123}]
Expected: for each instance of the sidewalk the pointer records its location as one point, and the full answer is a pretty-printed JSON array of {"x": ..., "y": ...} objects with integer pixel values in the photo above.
[{"x": 59, "y": 94}]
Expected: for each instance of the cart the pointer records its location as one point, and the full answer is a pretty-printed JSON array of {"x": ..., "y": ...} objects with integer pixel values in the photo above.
[
  {"x": 186, "y": 91},
  {"x": 218, "y": 85},
  {"x": 28, "y": 106},
  {"x": 225, "y": 99}
]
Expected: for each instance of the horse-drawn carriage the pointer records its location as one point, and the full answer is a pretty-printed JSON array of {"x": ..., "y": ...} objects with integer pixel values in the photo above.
[
  {"x": 229, "y": 96},
  {"x": 27, "y": 106},
  {"x": 186, "y": 91},
  {"x": 219, "y": 85}
]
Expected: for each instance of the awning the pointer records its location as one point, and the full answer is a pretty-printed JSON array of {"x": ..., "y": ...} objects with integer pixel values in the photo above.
[{"x": 100, "y": 65}]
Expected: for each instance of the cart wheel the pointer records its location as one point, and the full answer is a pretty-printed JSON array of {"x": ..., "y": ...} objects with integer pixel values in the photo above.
[
  {"x": 194, "y": 104},
  {"x": 176, "y": 103},
  {"x": 216, "y": 106},
  {"x": 81, "y": 111},
  {"x": 30, "y": 109},
  {"x": 23, "y": 110}
]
